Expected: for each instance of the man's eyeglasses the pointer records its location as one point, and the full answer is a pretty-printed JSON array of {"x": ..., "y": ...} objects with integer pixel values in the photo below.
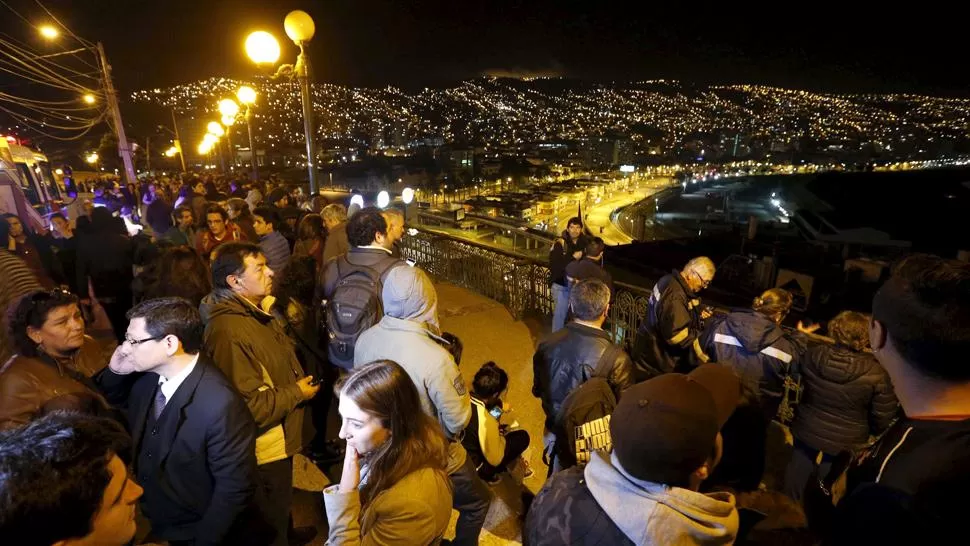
[
  {"x": 134, "y": 342},
  {"x": 704, "y": 282}
]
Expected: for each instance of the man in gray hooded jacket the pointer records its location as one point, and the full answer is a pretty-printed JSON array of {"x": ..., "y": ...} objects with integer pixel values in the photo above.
[
  {"x": 665, "y": 444},
  {"x": 408, "y": 334}
]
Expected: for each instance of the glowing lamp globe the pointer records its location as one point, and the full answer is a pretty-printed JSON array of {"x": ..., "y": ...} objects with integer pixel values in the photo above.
[
  {"x": 246, "y": 95},
  {"x": 228, "y": 107},
  {"x": 383, "y": 199},
  {"x": 228, "y": 121},
  {"x": 299, "y": 26},
  {"x": 407, "y": 196},
  {"x": 357, "y": 200},
  {"x": 215, "y": 129},
  {"x": 262, "y": 47}
]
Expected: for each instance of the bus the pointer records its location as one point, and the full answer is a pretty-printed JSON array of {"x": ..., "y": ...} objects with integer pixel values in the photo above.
[{"x": 27, "y": 186}]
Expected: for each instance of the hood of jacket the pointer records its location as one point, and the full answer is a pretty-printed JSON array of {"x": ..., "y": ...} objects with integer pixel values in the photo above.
[
  {"x": 754, "y": 330},
  {"x": 410, "y": 295},
  {"x": 653, "y": 513},
  {"x": 221, "y": 302},
  {"x": 839, "y": 364}
]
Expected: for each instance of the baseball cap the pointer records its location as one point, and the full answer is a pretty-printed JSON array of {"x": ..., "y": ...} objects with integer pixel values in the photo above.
[{"x": 665, "y": 428}]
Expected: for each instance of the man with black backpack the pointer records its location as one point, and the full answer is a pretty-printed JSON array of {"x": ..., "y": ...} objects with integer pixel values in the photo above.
[
  {"x": 350, "y": 286},
  {"x": 569, "y": 357}
]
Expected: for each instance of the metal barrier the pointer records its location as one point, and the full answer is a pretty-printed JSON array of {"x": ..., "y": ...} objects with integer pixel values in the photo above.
[{"x": 521, "y": 284}]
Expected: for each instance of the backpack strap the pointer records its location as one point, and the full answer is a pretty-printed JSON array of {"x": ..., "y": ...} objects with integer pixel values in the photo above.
[{"x": 605, "y": 364}]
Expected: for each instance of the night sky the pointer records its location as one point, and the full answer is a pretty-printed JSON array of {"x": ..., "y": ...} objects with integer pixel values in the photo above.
[{"x": 413, "y": 43}]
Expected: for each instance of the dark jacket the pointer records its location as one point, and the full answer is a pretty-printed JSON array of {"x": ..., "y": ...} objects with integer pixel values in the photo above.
[
  {"x": 370, "y": 257},
  {"x": 252, "y": 349},
  {"x": 33, "y": 386},
  {"x": 923, "y": 472},
  {"x": 561, "y": 255},
  {"x": 670, "y": 327},
  {"x": 204, "y": 476},
  {"x": 758, "y": 351},
  {"x": 847, "y": 396},
  {"x": 105, "y": 259},
  {"x": 566, "y": 358},
  {"x": 158, "y": 215},
  {"x": 337, "y": 243},
  {"x": 182, "y": 238}
]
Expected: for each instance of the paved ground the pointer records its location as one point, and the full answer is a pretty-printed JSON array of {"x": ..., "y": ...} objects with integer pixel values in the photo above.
[{"x": 488, "y": 332}]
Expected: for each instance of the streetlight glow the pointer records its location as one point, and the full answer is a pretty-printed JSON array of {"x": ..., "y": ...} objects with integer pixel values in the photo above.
[
  {"x": 383, "y": 199},
  {"x": 357, "y": 200},
  {"x": 49, "y": 31},
  {"x": 246, "y": 95},
  {"x": 228, "y": 121},
  {"x": 204, "y": 148},
  {"x": 299, "y": 26},
  {"x": 215, "y": 129},
  {"x": 210, "y": 139},
  {"x": 92, "y": 158},
  {"x": 228, "y": 107},
  {"x": 262, "y": 47},
  {"x": 89, "y": 98},
  {"x": 407, "y": 196}
]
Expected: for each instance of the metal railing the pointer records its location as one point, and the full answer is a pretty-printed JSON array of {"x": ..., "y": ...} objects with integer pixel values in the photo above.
[{"x": 521, "y": 284}]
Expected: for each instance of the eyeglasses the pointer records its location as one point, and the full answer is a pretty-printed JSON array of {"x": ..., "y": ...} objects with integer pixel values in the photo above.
[
  {"x": 134, "y": 342},
  {"x": 56, "y": 293},
  {"x": 704, "y": 282}
]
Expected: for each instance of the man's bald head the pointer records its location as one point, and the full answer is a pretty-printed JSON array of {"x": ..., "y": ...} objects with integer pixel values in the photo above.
[{"x": 699, "y": 272}]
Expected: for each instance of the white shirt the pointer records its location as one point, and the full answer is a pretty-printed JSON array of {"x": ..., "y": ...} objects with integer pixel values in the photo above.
[
  {"x": 169, "y": 386},
  {"x": 376, "y": 247}
]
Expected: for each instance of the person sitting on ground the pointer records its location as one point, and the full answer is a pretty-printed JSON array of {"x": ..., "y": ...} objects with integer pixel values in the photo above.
[
  {"x": 667, "y": 337},
  {"x": 65, "y": 482},
  {"x": 752, "y": 343},
  {"x": 274, "y": 245},
  {"x": 491, "y": 445},
  {"x": 393, "y": 488},
  {"x": 54, "y": 360},
  {"x": 665, "y": 444},
  {"x": 846, "y": 398}
]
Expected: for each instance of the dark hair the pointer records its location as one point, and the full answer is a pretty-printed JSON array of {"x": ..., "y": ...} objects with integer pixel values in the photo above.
[
  {"x": 171, "y": 316},
  {"x": 270, "y": 216},
  {"x": 574, "y": 221},
  {"x": 386, "y": 392},
  {"x": 925, "y": 308},
  {"x": 31, "y": 310},
  {"x": 178, "y": 272},
  {"x": 490, "y": 380},
  {"x": 589, "y": 298},
  {"x": 181, "y": 209},
  {"x": 311, "y": 227},
  {"x": 297, "y": 281},
  {"x": 595, "y": 247},
  {"x": 775, "y": 302},
  {"x": 850, "y": 329},
  {"x": 4, "y": 233},
  {"x": 231, "y": 260},
  {"x": 363, "y": 227},
  {"x": 241, "y": 205},
  {"x": 53, "y": 474},
  {"x": 57, "y": 215},
  {"x": 216, "y": 209}
]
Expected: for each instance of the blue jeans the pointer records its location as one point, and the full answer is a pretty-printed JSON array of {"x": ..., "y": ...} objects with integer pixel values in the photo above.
[{"x": 560, "y": 296}]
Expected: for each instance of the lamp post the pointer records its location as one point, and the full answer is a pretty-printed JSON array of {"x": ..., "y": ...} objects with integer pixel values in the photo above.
[
  {"x": 247, "y": 96},
  {"x": 262, "y": 48}
]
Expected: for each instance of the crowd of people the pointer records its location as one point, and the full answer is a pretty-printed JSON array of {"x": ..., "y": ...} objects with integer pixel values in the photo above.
[{"x": 245, "y": 314}]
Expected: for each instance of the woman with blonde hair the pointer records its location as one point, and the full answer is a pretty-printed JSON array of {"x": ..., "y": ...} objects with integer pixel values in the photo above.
[{"x": 394, "y": 488}]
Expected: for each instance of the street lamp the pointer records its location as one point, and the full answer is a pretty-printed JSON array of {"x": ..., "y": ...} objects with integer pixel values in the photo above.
[
  {"x": 89, "y": 98},
  {"x": 383, "y": 199},
  {"x": 407, "y": 195},
  {"x": 49, "y": 31},
  {"x": 247, "y": 96},
  {"x": 262, "y": 48},
  {"x": 214, "y": 128}
]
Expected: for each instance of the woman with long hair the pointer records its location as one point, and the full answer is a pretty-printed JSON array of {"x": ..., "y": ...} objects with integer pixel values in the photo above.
[
  {"x": 180, "y": 272},
  {"x": 311, "y": 236},
  {"x": 394, "y": 489}
]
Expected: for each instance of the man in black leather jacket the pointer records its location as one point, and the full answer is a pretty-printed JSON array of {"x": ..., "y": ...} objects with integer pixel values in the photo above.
[{"x": 567, "y": 358}]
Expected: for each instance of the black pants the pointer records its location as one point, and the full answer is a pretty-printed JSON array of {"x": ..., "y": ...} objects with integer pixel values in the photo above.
[
  {"x": 275, "y": 495},
  {"x": 320, "y": 406},
  {"x": 745, "y": 436},
  {"x": 471, "y": 499},
  {"x": 516, "y": 442}
]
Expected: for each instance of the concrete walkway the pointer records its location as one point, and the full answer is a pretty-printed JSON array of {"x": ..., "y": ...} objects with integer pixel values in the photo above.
[{"x": 488, "y": 332}]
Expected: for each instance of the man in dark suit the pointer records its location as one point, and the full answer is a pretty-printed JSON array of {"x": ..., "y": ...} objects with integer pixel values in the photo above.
[{"x": 194, "y": 437}]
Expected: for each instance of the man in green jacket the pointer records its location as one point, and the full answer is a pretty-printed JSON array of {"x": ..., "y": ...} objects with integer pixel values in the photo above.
[{"x": 254, "y": 352}]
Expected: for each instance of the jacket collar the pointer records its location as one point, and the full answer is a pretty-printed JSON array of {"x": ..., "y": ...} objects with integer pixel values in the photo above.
[
  {"x": 683, "y": 283},
  {"x": 174, "y": 413},
  {"x": 240, "y": 304},
  {"x": 584, "y": 330}
]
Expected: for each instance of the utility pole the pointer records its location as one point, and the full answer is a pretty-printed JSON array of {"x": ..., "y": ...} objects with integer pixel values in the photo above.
[
  {"x": 148, "y": 155},
  {"x": 178, "y": 141},
  {"x": 303, "y": 75},
  {"x": 124, "y": 147}
]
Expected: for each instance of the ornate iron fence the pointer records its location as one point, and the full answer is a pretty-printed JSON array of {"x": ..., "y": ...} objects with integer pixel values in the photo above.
[{"x": 521, "y": 284}]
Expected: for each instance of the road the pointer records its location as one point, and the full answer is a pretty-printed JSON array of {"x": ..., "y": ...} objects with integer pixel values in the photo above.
[{"x": 598, "y": 217}]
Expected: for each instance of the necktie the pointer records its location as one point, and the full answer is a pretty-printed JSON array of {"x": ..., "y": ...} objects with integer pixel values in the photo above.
[{"x": 159, "y": 403}]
